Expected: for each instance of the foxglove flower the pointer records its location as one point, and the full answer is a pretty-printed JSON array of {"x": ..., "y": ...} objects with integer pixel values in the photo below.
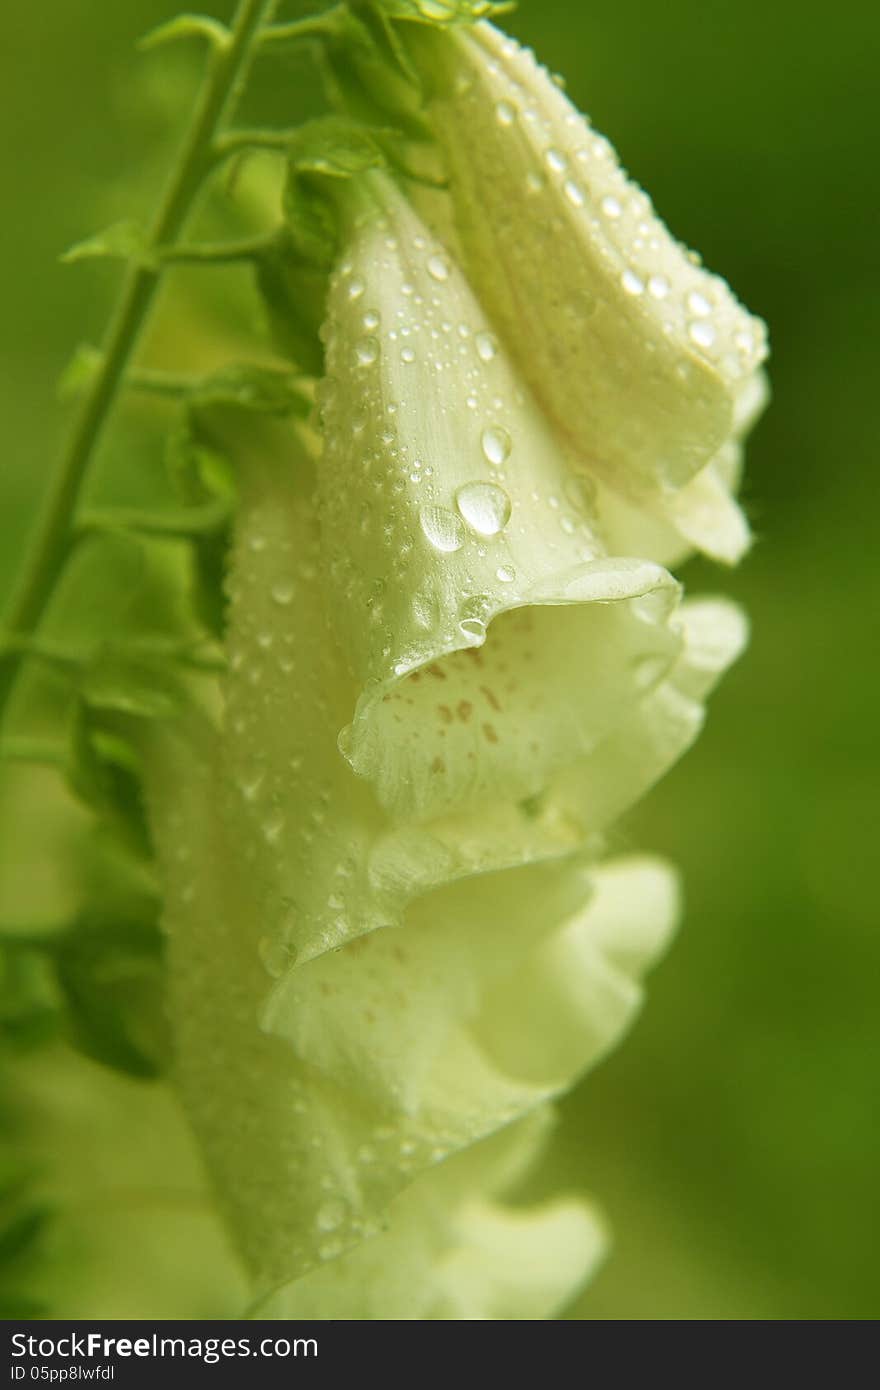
[
  {"x": 644, "y": 361},
  {"x": 390, "y": 937},
  {"x": 326, "y": 1092}
]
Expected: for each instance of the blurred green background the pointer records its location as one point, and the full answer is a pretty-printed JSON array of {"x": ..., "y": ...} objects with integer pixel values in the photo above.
[{"x": 734, "y": 1139}]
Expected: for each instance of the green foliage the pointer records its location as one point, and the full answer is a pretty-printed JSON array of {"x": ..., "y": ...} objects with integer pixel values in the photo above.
[
  {"x": 110, "y": 974},
  {"x": 441, "y": 12},
  {"x": 186, "y": 26},
  {"x": 123, "y": 241}
]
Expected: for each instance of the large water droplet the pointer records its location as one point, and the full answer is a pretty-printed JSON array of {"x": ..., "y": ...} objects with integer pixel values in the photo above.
[
  {"x": 702, "y": 333},
  {"x": 506, "y": 573},
  {"x": 496, "y": 444},
  {"x": 699, "y": 304},
  {"x": 474, "y": 629},
  {"x": 367, "y": 352},
  {"x": 658, "y": 286},
  {"x": 277, "y": 958},
  {"x": 484, "y": 506},
  {"x": 442, "y": 528},
  {"x": 631, "y": 282},
  {"x": 438, "y": 268},
  {"x": 486, "y": 346}
]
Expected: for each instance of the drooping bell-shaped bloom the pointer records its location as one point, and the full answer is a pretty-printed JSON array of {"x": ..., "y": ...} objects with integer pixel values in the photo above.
[
  {"x": 348, "y": 1001},
  {"x": 643, "y": 360},
  {"x": 448, "y": 512},
  {"x": 391, "y": 941}
]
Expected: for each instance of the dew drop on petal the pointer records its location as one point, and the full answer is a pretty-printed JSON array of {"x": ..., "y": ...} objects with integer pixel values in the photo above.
[
  {"x": 276, "y": 957},
  {"x": 438, "y": 268},
  {"x": 631, "y": 282},
  {"x": 506, "y": 573},
  {"x": 610, "y": 206},
  {"x": 556, "y": 161},
  {"x": 484, "y": 506},
  {"x": 658, "y": 286},
  {"x": 486, "y": 346},
  {"x": 702, "y": 333},
  {"x": 331, "y": 1214},
  {"x": 505, "y": 113},
  {"x": 282, "y": 594},
  {"x": 367, "y": 352},
  {"x": 474, "y": 629},
  {"x": 699, "y": 305},
  {"x": 442, "y": 528},
  {"x": 496, "y": 444},
  {"x": 574, "y": 193},
  {"x": 356, "y": 289}
]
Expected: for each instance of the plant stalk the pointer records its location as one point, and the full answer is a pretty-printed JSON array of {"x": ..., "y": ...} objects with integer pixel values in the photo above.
[{"x": 51, "y": 544}]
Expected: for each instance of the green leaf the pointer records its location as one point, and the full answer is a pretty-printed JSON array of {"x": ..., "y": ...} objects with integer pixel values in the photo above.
[
  {"x": 28, "y": 1004},
  {"x": 442, "y": 12},
  {"x": 209, "y": 572},
  {"x": 125, "y": 241},
  {"x": 200, "y": 471},
  {"x": 310, "y": 225},
  {"x": 334, "y": 146},
  {"x": 185, "y": 26},
  {"x": 129, "y": 680},
  {"x": 252, "y": 387},
  {"x": 111, "y": 976},
  {"x": 368, "y": 78},
  {"x": 331, "y": 147},
  {"x": 376, "y": 21},
  {"x": 294, "y": 292},
  {"x": 104, "y": 771}
]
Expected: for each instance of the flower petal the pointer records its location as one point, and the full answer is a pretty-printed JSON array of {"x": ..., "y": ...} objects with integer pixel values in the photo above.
[
  {"x": 448, "y": 1254},
  {"x": 445, "y": 507},
  {"x": 633, "y": 349}
]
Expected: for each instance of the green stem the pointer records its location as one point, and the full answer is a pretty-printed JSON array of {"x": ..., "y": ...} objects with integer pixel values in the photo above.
[
  {"x": 227, "y": 68},
  {"x": 234, "y": 141},
  {"x": 221, "y": 253},
  {"x": 313, "y": 26}
]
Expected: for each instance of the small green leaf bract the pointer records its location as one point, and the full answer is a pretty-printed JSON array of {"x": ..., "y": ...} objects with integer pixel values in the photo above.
[
  {"x": 123, "y": 241},
  {"x": 252, "y": 387},
  {"x": 186, "y": 26},
  {"x": 104, "y": 771},
  {"x": 334, "y": 146},
  {"x": 442, "y": 12}
]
